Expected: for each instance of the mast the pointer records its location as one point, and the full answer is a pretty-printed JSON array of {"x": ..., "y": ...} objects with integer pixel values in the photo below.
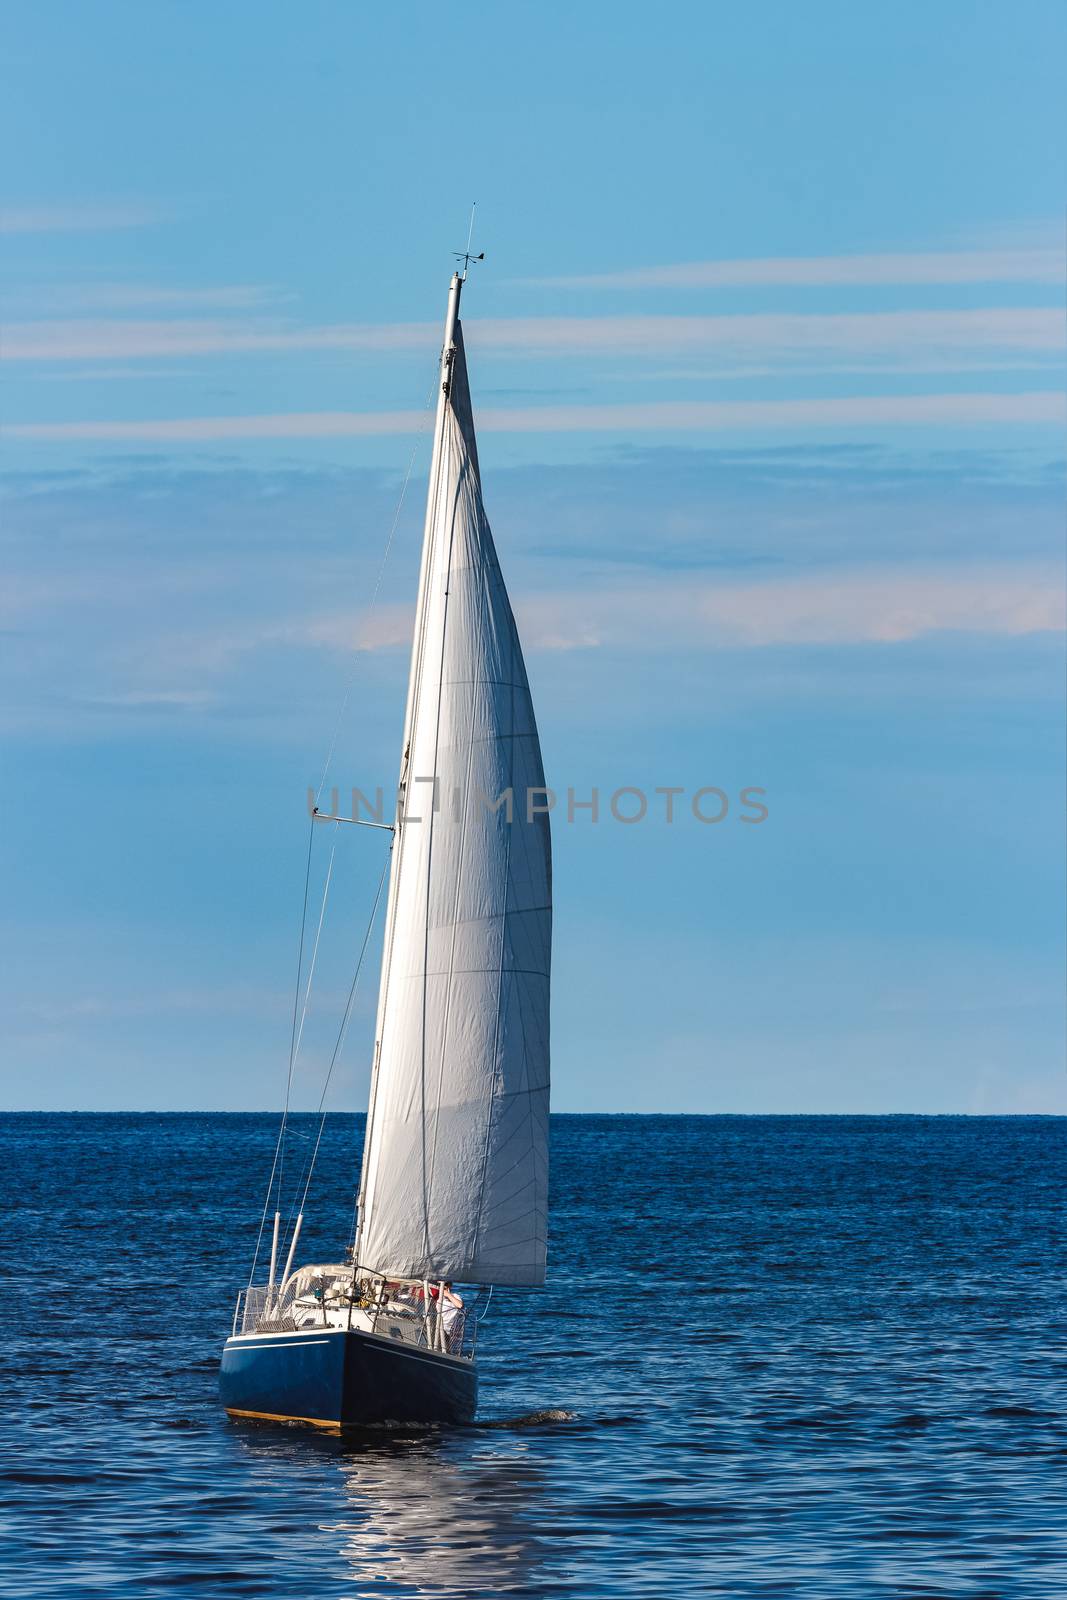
[{"x": 448, "y": 351}]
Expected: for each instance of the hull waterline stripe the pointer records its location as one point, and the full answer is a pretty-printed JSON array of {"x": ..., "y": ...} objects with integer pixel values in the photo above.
[{"x": 274, "y": 1416}]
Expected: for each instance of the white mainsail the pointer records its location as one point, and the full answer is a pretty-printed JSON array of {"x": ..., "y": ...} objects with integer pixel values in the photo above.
[{"x": 455, "y": 1166}]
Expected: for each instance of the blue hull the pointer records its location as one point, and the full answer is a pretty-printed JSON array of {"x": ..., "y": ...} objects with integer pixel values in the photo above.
[{"x": 339, "y": 1378}]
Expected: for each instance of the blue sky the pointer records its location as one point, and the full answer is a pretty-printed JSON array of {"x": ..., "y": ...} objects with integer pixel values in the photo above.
[{"x": 767, "y": 357}]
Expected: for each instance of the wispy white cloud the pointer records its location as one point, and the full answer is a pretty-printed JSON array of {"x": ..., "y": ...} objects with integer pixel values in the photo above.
[
  {"x": 663, "y": 613},
  {"x": 109, "y": 374},
  {"x": 128, "y": 340},
  {"x": 68, "y": 298},
  {"x": 1035, "y": 265},
  {"x": 887, "y": 606},
  {"x": 949, "y": 410},
  {"x": 195, "y": 430},
  {"x": 901, "y": 335},
  {"x": 159, "y": 594},
  {"x": 384, "y": 628},
  {"x": 904, "y": 363},
  {"x": 783, "y": 333},
  {"x": 890, "y": 605},
  {"x": 701, "y": 416},
  {"x": 152, "y": 700},
  {"x": 78, "y": 218}
]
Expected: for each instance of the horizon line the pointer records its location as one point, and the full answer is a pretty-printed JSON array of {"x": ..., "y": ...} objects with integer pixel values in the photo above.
[{"x": 200, "y": 1111}]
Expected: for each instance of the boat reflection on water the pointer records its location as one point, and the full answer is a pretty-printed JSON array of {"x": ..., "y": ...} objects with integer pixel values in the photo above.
[
  {"x": 427, "y": 1513},
  {"x": 420, "y": 1516}
]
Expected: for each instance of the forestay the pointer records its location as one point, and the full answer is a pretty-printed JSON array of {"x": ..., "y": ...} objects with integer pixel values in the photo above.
[{"x": 455, "y": 1173}]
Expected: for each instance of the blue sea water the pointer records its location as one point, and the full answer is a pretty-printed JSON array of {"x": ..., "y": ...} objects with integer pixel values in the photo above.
[{"x": 809, "y": 1357}]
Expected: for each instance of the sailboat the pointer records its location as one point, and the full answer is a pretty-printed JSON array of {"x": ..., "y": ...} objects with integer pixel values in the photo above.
[{"x": 454, "y": 1183}]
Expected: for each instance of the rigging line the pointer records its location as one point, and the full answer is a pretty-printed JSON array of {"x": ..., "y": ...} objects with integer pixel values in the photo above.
[
  {"x": 332, "y": 751},
  {"x": 374, "y": 593},
  {"x": 315, "y": 949},
  {"x": 307, "y": 997},
  {"x": 341, "y": 1032},
  {"x": 278, "y": 1162},
  {"x": 279, "y": 1145},
  {"x": 284, "y": 1132}
]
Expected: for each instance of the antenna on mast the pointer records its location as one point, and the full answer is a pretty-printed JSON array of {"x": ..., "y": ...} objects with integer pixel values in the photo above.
[{"x": 465, "y": 255}]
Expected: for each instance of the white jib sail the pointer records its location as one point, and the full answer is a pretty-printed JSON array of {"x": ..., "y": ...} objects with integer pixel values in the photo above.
[{"x": 455, "y": 1170}]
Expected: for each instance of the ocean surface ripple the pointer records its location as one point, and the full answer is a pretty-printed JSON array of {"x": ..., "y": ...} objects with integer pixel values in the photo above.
[{"x": 776, "y": 1357}]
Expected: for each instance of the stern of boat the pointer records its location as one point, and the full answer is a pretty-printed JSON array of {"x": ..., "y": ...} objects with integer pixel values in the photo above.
[{"x": 330, "y": 1356}]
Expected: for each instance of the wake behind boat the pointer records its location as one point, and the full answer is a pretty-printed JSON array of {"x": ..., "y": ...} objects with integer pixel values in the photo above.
[{"x": 454, "y": 1183}]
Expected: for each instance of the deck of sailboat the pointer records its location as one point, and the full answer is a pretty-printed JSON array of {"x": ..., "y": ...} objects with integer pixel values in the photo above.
[
  {"x": 330, "y": 1299},
  {"x": 336, "y": 1352}
]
